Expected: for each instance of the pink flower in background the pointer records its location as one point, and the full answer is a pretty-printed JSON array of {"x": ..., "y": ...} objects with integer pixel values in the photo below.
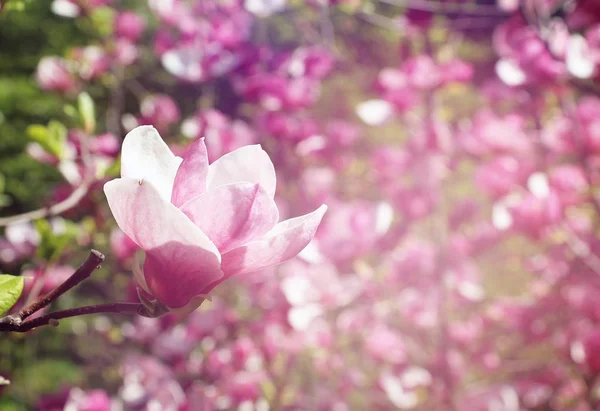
[
  {"x": 198, "y": 223},
  {"x": 457, "y": 71},
  {"x": 352, "y": 229},
  {"x": 129, "y": 25},
  {"x": 592, "y": 351},
  {"x": 53, "y": 75},
  {"x": 222, "y": 133},
  {"x": 159, "y": 110},
  {"x": 95, "y": 400},
  {"x": 92, "y": 62}
]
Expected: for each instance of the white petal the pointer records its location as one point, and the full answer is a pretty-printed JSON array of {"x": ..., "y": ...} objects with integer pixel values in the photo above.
[
  {"x": 146, "y": 157},
  {"x": 578, "y": 58},
  {"x": 374, "y": 112},
  {"x": 538, "y": 184},
  {"x": 248, "y": 163},
  {"x": 510, "y": 73}
]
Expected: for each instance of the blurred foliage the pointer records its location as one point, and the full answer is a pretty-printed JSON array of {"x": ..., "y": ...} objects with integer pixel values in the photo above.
[{"x": 26, "y": 35}]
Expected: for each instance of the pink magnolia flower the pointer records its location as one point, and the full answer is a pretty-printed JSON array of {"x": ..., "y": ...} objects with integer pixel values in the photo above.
[
  {"x": 592, "y": 351},
  {"x": 198, "y": 223},
  {"x": 159, "y": 110},
  {"x": 53, "y": 75},
  {"x": 129, "y": 25}
]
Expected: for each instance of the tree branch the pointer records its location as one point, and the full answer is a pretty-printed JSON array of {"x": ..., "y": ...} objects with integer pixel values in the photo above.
[
  {"x": 83, "y": 272},
  {"x": 443, "y": 8},
  {"x": 53, "y": 210},
  {"x": 13, "y": 324}
]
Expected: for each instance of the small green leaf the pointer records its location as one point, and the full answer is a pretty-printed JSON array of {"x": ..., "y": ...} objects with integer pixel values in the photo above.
[
  {"x": 51, "y": 138},
  {"x": 11, "y": 288},
  {"x": 57, "y": 132},
  {"x": 87, "y": 112},
  {"x": 15, "y": 5},
  {"x": 102, "y": 18},
  {"x": 71, "y": 111}
]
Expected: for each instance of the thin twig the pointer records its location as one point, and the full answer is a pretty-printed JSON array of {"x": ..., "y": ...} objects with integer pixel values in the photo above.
[
  {"x": 381, "y": 21},
  {"x": 52, "y": 318},
  {"x": 327, "y": 28},
  {"x": 83, "y": 272},
  {"x": 439, "y": 7},
  {"x": 53, "y": 210}
]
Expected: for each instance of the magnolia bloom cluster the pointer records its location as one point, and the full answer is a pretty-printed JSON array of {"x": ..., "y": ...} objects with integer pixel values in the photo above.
[{"x": 200, "y": 224}]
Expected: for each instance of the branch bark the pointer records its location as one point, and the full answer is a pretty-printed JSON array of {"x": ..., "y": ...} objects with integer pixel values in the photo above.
[
  {"x": 13, "y": 324},
  {"x": 53, "y": 210}
]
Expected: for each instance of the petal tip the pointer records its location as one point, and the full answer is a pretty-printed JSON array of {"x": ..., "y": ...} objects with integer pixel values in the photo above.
[{"x": 321, "y": 211}]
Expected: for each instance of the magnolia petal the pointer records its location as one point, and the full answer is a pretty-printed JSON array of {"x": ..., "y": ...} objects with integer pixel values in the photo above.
[
  {"x": 233, "y": 215},
  {"x": 180, "y": 259},
  {"x": 249, "y": 163},
  {"x": 190, "y": 180},
  {"x": 193, "y": 305},
  {"x": 176, "y": 276},
  {"x": 510, "y": 73},
  {"x": 138, "y": 274},
  {"x": 145, "y": 156},
  {"x": 283, "y": 242}
]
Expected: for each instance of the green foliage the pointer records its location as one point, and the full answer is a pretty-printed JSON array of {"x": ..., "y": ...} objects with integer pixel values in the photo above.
[
  {"x": 52, "y": 138},
  {"x": 26, "y": 37},
  {"x": 102, "y": 18},
  {"x": 11, "y": 288},
  {"x": 52, "y": 241},
  {"x": 87, "y": 112},
  {"x": 4, "y": 199},
  {"x": 44, "y": 376},
  {"x": 15, "y": 5}
]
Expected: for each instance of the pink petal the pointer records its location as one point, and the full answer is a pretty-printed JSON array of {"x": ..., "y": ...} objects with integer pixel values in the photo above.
[
  {"x": 180, "y": 259},
  {"x": 190, "y": 180},
  {"x": 233, "y": 215},
  {"x": 248, "y": 163},
  {"x": 177, "y": 274},
  {"x": 145, "y": 156},
  {"x": 283, "y": 242}
]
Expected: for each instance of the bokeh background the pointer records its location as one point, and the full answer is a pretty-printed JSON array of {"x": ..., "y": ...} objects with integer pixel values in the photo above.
[{"x": 456, "y": 143}]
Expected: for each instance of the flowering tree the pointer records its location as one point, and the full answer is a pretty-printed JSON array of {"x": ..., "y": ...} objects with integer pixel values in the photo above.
[{"x": 455, "y": 143}]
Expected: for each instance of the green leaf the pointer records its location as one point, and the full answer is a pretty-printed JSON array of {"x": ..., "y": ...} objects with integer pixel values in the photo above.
[
  {"x": 15, "y": 5},
  {"x": 87, "y": 112},
  {"x": 102, "y": 18},
  {"x": 71, "y": 111},
  {"x": 114, "y": 170},
  {"x": 51, "y": 138},
  {"x": 11, "y": 288},
  {"x": 57, "y": 132}
]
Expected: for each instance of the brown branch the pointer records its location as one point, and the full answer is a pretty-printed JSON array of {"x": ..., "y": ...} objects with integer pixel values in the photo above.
[
  {"x": 440, "y": 7},
  {"x": 53, "y": 210},
  {"x": 14, "y": 325},
  {"x": 83, "y": 272}
]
